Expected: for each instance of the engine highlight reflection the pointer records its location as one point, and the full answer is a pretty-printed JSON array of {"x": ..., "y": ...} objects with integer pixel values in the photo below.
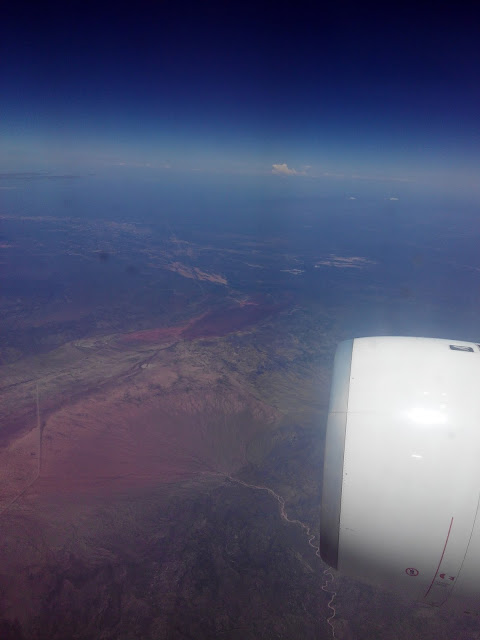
[{"x": 424, "y": 416}]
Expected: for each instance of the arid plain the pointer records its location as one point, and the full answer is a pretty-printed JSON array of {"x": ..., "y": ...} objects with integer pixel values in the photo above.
[{"x": 162, "y": 398}]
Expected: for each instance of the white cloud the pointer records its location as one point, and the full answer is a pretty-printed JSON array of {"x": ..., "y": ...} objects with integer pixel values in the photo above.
[{"x": 284, "y": 170}]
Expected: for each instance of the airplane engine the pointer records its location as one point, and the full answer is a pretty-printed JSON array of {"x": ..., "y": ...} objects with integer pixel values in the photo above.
[{"x": 401, "y": 479}]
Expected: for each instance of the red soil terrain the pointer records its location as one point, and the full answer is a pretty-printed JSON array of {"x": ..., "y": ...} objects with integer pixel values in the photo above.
[
  {"x": 113, "y": 419},
  {"x": 162, "y": 416},
  {"x": 155, "y": 335},
  {"x": 215, "y": 323},
  {"x": 116, "y": 441},
  {"x": 114, "y": 433}
]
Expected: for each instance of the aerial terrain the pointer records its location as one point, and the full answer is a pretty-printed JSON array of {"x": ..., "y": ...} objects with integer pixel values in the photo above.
[{"x": 164, "y": 398}]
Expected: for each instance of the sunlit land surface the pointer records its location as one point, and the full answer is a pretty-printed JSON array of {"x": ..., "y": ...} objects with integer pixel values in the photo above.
[{"x": 165, "y": 374}]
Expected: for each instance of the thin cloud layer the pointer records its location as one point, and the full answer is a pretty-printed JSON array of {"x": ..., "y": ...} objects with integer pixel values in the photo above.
[{"x": 35, "y": 175}]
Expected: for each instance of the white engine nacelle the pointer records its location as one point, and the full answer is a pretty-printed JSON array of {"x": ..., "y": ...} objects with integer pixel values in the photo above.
[{"x": 401, "y": 476}]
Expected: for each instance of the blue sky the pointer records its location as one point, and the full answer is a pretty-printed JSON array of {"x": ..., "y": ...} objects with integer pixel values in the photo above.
[{"x": 351, "y": 92}]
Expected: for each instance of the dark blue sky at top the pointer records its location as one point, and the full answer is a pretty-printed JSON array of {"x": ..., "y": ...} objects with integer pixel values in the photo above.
[{"x": 347, "y": 90}]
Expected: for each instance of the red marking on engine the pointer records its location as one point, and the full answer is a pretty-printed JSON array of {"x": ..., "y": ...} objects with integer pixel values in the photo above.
[{"x": 441, "y": 558}]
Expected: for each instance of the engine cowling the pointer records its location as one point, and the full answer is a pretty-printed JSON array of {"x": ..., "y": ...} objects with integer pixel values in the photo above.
[{"x": 401, "y": 479}]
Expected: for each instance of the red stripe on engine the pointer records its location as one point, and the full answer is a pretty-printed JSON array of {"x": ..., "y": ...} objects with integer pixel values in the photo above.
[{"x": 441, "y": 558}]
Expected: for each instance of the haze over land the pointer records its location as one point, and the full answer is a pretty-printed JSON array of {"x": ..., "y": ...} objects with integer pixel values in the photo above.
[
  {"x": 196, "y": 206},
  {"x": 159, "y": 386}
]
